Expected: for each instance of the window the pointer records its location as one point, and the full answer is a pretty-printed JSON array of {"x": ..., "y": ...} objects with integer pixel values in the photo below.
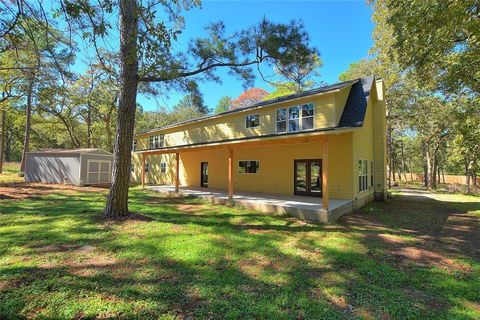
[
  {"x": 307, "y": 116},
  {"x": 147, "y": 167},
  {"x": 157, "y": 141},
  {"x": 134, "y": 144},
  {"x": 296, "y": 118},
  {"x": 362, "y": 175},
  {"x": 132, "y": 168},
  {"x": 371, "y": 173},
  {"x": 162, "y": 140},
  {"x": 163, "y": 167},
  {"x": 248, "y": 166},
  {"x": 252, "y": 121},
  {"x": 281, "y": 120}
]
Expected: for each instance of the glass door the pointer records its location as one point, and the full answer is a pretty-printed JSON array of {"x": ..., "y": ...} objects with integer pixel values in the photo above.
[
  {"x": 308, "y": 177},
  {"x": 204, "y": 175}
]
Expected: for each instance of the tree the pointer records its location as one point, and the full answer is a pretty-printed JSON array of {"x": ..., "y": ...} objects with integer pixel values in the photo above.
[
  {"x": 360, "y": 69},
  {"x": 438, "y": 39},
  {"x": 249, "y": 97},
  {"x": 186, "y": 109},
  {"x": 147, "y": 57},
  {"x": 223, "y": 104}
]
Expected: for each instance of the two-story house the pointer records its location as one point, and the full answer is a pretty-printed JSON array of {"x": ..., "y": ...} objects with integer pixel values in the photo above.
[{"x": 327, "y": 142}]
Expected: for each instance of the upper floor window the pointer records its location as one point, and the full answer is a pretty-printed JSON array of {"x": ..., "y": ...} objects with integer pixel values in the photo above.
[
  {"x": 296, "y": 118},
  {"x": 281, "y": 120},
  {"x": 362, "y": 175},
  {"x": 252, "y": 121},
  {"x": 248, "y": 166},
  {"x": 134, "y": 145},
  {"x": 157, "y": 141},
  {"x": 307, "y": 116}
]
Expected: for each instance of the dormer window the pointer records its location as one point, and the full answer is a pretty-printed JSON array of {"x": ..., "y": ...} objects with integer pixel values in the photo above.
[
  {"x": 252, "y": 121},
  {"x": 296, "y": 118},
  {"x": 157, "y": 141}
]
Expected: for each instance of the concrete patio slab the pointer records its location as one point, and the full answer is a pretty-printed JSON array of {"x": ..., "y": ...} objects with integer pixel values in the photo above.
[{"x": 305, "y": 208}]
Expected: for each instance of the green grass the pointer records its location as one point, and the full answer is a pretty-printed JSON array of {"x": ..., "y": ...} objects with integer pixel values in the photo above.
[
  {"x": 10, "y": 173},
  {"x": 197, "y": 260}
]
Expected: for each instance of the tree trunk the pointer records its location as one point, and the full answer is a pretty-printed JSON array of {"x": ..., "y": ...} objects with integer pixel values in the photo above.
[
  {"x": 8, "y": 146},
  {"x": 429, "y": 169},
  {"x": 26, "y": 142},
  {"x": 434, "y": 171},
  {"x": 2, "y": 139},
  {"x": 467, "y": 176},
  {"x": 89, "y": 125},
  {"x": 117, "y": 202},
  {"x": 425, "y": 165}
]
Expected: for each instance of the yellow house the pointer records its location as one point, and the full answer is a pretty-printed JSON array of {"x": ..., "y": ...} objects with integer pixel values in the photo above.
[{"x": 326, "y": 143}]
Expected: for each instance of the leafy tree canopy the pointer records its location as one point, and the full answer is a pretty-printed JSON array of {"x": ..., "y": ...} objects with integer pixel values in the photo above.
[{"x": 249, "y": 97}]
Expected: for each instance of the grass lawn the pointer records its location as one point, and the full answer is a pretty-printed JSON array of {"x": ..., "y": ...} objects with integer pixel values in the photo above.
[{"x": 415, "y": 256}]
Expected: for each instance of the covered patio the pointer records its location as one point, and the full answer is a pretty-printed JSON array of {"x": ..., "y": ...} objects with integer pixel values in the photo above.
[{"x": 306, "y": 208}]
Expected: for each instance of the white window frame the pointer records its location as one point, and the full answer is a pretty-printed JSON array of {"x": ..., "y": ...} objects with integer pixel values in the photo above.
[
  {"x": 157, "y": 141},
  {"x": 312, "y": 116},
  {"x": 251, "y": 115},
  {"x": 242, "y": 173},
  {"x": 99, "y": 172},
  {"x": 364, "y": 175},
  {"x": 286, "y": 120},
  {"x": 161, "y": 140},
  {"x": 163, "y": 167},
  {"x": 300, "y": 118}
]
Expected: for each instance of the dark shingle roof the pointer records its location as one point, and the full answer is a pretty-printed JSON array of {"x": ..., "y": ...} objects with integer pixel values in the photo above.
[{"x": 356, "y": 106}]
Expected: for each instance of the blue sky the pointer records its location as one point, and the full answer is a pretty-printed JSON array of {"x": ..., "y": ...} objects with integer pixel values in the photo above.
[{"x": 341, "y": 30}]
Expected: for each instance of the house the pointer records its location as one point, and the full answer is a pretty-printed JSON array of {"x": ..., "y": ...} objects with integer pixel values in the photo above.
[
  {"x": 327, "y": 143},
  {"x": 77, "y": 166}
]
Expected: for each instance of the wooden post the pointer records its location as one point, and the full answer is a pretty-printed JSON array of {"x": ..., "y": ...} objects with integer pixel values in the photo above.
[
  {"x": 143, "y": 170},
  {"x": 230, "y": 174},
  {"x": 177, "y": 170},
  {"x": 325, "y": 195}
]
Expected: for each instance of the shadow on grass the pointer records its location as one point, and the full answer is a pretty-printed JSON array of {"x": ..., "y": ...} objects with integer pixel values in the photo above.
[{"x": 218, "y": 262}]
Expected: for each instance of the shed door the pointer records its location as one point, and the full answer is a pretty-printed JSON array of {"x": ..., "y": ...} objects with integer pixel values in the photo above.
[{"x": 98, "y": 171}]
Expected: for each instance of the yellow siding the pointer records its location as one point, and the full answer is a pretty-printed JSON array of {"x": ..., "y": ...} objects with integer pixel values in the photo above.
[
  {"x": 154, "y": 176},
  {"x": 379, "y": 137},
  {"x": 233, "y": 126},
  {"x": 340, "y": 101},
  {"x": 276, "y": 174},
  {"x": 363, "y": 150}
]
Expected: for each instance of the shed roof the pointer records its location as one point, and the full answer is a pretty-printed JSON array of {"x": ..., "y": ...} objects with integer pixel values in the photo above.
[{"x": 71, "y": 151}]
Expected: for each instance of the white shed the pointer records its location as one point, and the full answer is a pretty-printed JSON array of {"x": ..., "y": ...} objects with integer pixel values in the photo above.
[{"x": 78, "y": 167}]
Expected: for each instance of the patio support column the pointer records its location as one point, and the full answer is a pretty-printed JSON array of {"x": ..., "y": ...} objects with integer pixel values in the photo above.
[
  {"x": 230, "y": 173},
  {"x": 143, "y": 170},
  {"x": 325, "y": 195},
  {"x": 177, "y": 170}
]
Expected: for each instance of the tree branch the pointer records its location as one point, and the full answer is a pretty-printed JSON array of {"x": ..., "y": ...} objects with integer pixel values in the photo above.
[{"x": 199, "y": 70}]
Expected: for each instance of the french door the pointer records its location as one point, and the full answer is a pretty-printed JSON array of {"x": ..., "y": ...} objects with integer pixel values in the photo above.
[
  {"x": 204, "y": 174},
  {"x": 308, "y": 177}
]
